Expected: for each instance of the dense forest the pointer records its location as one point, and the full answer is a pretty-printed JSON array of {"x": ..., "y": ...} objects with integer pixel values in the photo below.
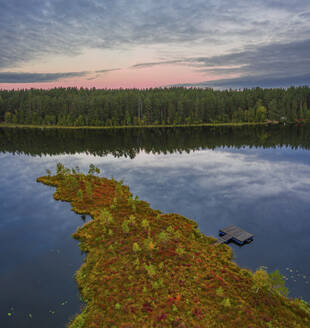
[
  {"x": 125, "y": 107},
  {"x": 130, "y": 142}
]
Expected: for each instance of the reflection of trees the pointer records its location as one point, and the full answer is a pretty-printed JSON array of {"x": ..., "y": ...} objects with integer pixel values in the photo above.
[{"x": 129, "y": 142}]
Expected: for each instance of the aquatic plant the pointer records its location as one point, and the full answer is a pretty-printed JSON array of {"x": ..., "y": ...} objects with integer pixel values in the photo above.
[{"x": 144, "y": 268}]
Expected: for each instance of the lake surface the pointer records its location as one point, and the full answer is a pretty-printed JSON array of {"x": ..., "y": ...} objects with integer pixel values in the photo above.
[{"x": 254, "y": 177}]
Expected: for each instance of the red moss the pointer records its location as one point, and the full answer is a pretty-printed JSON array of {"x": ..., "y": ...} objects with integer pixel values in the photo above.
[{"x": 160, "y": 286}]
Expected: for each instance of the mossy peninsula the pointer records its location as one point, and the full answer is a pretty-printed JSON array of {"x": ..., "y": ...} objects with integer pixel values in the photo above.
[{"x": 145, "y": 268}]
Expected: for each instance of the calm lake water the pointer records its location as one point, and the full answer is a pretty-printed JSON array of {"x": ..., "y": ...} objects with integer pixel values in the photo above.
[{"x": 257, "y": 178}]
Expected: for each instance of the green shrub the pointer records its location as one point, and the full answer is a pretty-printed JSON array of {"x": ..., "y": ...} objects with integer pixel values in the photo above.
[
  {"x": 93, "y": 169},
  {"x": 180, "y": 251},
  {"x": 163, "y": 236},
  {"x": 261, "y": 280},
  {"x": 132, "y": 220},
  {"x": 220, "y": 292},
  {"x": 150, "y": 269},
  {"x": 226, "y": 303},
  {"x": 303, "y": 305},
  {"x": 149, "y": 244},
  {"x": 78, "y": 321},
  {"x": 88, "y": 189},
  {"x": 136, "y": 262},
  {"x": 278, "y": 283},
  {"x": 136, "y": 248},
  {"x": 155, "y": 285},
  {"x": 145, "y": 223},
  {"x": 79, "y": 194},
  {"x": 177, "y": 234},
  {"x": 125, "y": 227},
  {"x": 106, "y": 216},
  {"x": 59, "y": 169}
]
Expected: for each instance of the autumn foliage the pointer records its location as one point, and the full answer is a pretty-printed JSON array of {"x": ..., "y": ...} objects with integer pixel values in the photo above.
[{"x": 148, "y": 269}]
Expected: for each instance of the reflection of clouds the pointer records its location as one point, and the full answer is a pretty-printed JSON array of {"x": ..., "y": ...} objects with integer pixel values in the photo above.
[
  {"x": 207, "y": 185},
  {"x": 219, "y": 183},
  {"x": 247, "y": 175},
  {"x": 221, "y": 178},
  {"x": 21, "y": 197},
  {"x": 266, "y": 195}
]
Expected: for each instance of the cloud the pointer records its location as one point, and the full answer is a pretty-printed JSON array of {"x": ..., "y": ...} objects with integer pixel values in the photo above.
[
  {"x": 151, "y": 64},
  {"x": 279, "y": 58},
  {"x": 36, "y": 28},
  {"x": 108, "y": 70},
  {"x": 14, "y": 77},
  {"x": 273, "y": 65},
  {"x": 253, "y": 81}
]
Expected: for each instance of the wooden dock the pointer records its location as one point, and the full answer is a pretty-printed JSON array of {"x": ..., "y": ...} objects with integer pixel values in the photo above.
[{"x": 236, "y": 234}]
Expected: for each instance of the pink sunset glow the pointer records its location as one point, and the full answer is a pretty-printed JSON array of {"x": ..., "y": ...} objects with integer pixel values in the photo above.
[
  {"x": 132, "y": 44},
  {"x": 146, "y": 77}
]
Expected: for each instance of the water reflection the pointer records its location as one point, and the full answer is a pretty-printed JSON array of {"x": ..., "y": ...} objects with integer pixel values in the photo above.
[
  {"x": 129, "y": 142},
  {"x": 263, "y": 190},
  {"x": 38, "y": 255}
]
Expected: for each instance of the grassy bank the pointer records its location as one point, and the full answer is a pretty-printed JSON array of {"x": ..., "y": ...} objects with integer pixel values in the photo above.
[
  {"x": 11, "y": 125},
  {"x": 145, "y": 268}
]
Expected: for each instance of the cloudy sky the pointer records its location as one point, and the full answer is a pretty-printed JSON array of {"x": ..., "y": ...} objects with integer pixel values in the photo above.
[{"x": 149, "y": 43}]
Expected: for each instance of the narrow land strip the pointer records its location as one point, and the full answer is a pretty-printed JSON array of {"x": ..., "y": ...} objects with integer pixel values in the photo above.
[
  {"x": 148, "y": 269},
  {"x": 33, "y": 126}
]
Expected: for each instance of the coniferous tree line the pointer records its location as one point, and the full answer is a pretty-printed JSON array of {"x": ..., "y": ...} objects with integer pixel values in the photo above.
[{"x": 126, "y": 107}]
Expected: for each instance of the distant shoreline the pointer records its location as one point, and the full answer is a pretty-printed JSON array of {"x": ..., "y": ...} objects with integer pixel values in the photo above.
[{"x": 12, "y": 125}]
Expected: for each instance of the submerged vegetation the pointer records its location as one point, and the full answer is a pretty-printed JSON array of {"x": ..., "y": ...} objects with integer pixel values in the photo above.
[
  {"x": 148, "y": 269},
  {"x": 161, "y": 106}
]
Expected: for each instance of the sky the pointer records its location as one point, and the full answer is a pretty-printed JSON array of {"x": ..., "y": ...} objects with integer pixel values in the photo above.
[{"x": 154, "y": 43}]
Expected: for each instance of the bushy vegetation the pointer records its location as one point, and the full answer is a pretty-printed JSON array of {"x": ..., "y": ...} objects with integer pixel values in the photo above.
[
  {"x": 174, "y": 106},
  {"x": 148, "y": 269}
]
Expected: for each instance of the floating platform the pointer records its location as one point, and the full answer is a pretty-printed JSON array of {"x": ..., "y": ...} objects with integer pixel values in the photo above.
[{"x": 236, "y": 234}]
